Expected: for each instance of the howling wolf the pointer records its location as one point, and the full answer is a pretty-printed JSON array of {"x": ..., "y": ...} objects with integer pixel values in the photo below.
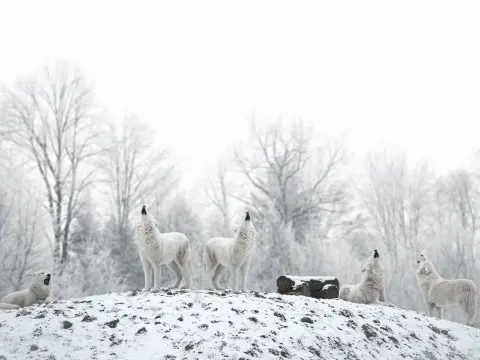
[
  {"x": 156, "y": 249},
  {"x": 233, "y": 253},
  {"x": 370, "y": 290},
  {"x": 438, "y": 293},
  {"x": 38, "y": 292}
]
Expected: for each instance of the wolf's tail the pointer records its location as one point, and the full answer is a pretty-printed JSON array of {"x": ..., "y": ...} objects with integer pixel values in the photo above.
[
  {"x": 8, "y": 306},
  {"x": 472, "y": 305}
]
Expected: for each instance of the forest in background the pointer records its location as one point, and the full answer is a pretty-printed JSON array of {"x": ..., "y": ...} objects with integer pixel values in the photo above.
[{"x": 74, "y": 182}]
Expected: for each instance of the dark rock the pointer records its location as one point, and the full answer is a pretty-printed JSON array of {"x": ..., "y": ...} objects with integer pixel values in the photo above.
[
  {"x": 306, "y": 319},
  {"x": 34, "y": 347},
  {"x": 112, "y": 324},
  {"x": 369, "y": 331},
  {"x": 141, "y": 331},
  {"x": 394, "y": 340},
  {"x": 67, "y": 324},
  {"x": 88, "y": 318},
  {"x": 347, "y": 313},
  {"x": 352, "y": 324},
  {"x": 280, "y": 316}
]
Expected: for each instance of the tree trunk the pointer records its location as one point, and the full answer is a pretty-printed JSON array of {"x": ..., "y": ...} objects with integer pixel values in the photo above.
[{"x": 319, "y": 287}]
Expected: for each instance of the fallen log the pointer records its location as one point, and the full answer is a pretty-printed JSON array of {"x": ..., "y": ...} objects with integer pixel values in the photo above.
[{"x": 319, "y": 287}]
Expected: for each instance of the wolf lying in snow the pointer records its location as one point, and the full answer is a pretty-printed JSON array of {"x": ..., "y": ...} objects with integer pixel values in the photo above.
[
  {"x": 156, "y": 249},
  {"x": 235, "y": 253},
  {"x": 370, "y": 290},
  {"x": 439, "y": 293},
  {"x": 38, "y": 292}
]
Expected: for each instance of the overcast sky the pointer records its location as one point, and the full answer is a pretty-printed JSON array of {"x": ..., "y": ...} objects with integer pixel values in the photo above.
[{"x": 402, "y": 73}]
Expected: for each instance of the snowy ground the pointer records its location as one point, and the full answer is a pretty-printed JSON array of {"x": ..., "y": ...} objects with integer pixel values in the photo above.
[{"x": 179, "y": 324}]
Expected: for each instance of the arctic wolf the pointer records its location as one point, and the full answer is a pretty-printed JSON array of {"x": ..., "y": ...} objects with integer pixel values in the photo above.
[
  {"x": 156, "y": 249},
  {"x": 438, "y": 293},
  {"x": 38, "y": 292},
  {"x": 371, "y": 289},
  {"x": 233, "y": 253}
]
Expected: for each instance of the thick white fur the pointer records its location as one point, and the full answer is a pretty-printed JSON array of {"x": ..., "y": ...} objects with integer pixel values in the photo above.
[
  {"x": 157, "y": 249},
  {"x": 438, "y": 293},
  {"x": 371, "y": 289},
  {"x": 233, "y": 253},
  {"x": 38, "y": 292}
]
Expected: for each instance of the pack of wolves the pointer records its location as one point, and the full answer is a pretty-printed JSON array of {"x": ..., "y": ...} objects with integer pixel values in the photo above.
[{"x": 173, "y": 250}]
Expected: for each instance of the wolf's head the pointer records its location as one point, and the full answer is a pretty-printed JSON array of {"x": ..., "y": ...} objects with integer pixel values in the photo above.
[
  {"x": 41, "y": 277},
  {"x": 424, "y": 267},
  {"x": 245, "y": 229},
  {"x": 372, "y": 261},
  {"x": 146, "y": 223}
]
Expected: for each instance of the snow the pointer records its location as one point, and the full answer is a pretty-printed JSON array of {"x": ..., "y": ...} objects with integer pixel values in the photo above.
[
  {"x": 328, "y": 286},
  {"x": 185, "y": 324}
]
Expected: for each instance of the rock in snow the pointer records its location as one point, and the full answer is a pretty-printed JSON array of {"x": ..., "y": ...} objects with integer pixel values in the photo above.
[{"x": 181, "y": 324}]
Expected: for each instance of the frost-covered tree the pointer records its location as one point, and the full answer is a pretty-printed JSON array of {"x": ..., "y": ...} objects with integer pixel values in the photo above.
[
  {"x": 295, "y": 195},
  {"x": 285, "y": 171},
  {"x": 50, "y": 117},
  {"x": 22, "y": 231},
  {"x": 136, "y": 170},
  {"x": 398, "y": 201},
  {"x": 91, "y": 257}
]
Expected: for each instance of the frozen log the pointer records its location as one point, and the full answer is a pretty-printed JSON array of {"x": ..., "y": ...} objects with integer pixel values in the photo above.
[{"x": 319, "y": 287}]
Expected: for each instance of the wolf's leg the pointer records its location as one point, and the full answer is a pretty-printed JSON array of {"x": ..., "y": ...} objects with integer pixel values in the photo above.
[
  {"x": 147, "y": 271},
  {"x": 216, "y": 276},
  {"x": 157, "y": 274},
  {"x": 183, "y": 264},
  {"x": 176, "y": 270},
  {"x": 235, "y": 271},
  {"x": 440, "y": 312},
  {"x": 244, "y": 273},
  {"x": 430, "y": 309},
  {"x": 211, "y": 264},
  {"x": 463, "y": 307},
  {"x": 382, "y": 296}
]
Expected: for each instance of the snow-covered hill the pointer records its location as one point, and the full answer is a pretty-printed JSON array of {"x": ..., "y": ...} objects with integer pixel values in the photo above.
[{"x": 179, "y": 324}]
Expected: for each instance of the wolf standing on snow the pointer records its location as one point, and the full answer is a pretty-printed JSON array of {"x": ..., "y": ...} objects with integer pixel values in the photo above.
[
  {"x": 38, "y": 291},
  {"x": 371, "y": 289},
  {"x": 157, "y": 249},
  {"x": 233, "y": 253},
  {"x": 439, "y": 293}
]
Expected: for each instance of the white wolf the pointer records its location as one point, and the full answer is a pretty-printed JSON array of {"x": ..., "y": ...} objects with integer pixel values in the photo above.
[
  {"x": 157, "y": 249},
  {"x": 371, "y": 289},
  {"x": 38, "y": 292},
  {"x": 439, "y": 293},
  {"x": 235, "y": 253}
]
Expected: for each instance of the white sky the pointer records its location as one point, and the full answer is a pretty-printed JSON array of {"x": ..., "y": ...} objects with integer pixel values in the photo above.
[{"x": 404, "y": 73}]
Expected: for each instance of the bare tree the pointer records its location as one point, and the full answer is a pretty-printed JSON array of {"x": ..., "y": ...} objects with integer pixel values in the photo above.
[
  {"x": 217, "y": 190},
  {"x": 458, "y": 201},
  {"x": 21, "y": 236},
  {"x": 398, "y": 201},
  {"x": 281, "y": 172},
  {"x": 135, "y": 169},
  {"x": 50, "y": 117}
]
